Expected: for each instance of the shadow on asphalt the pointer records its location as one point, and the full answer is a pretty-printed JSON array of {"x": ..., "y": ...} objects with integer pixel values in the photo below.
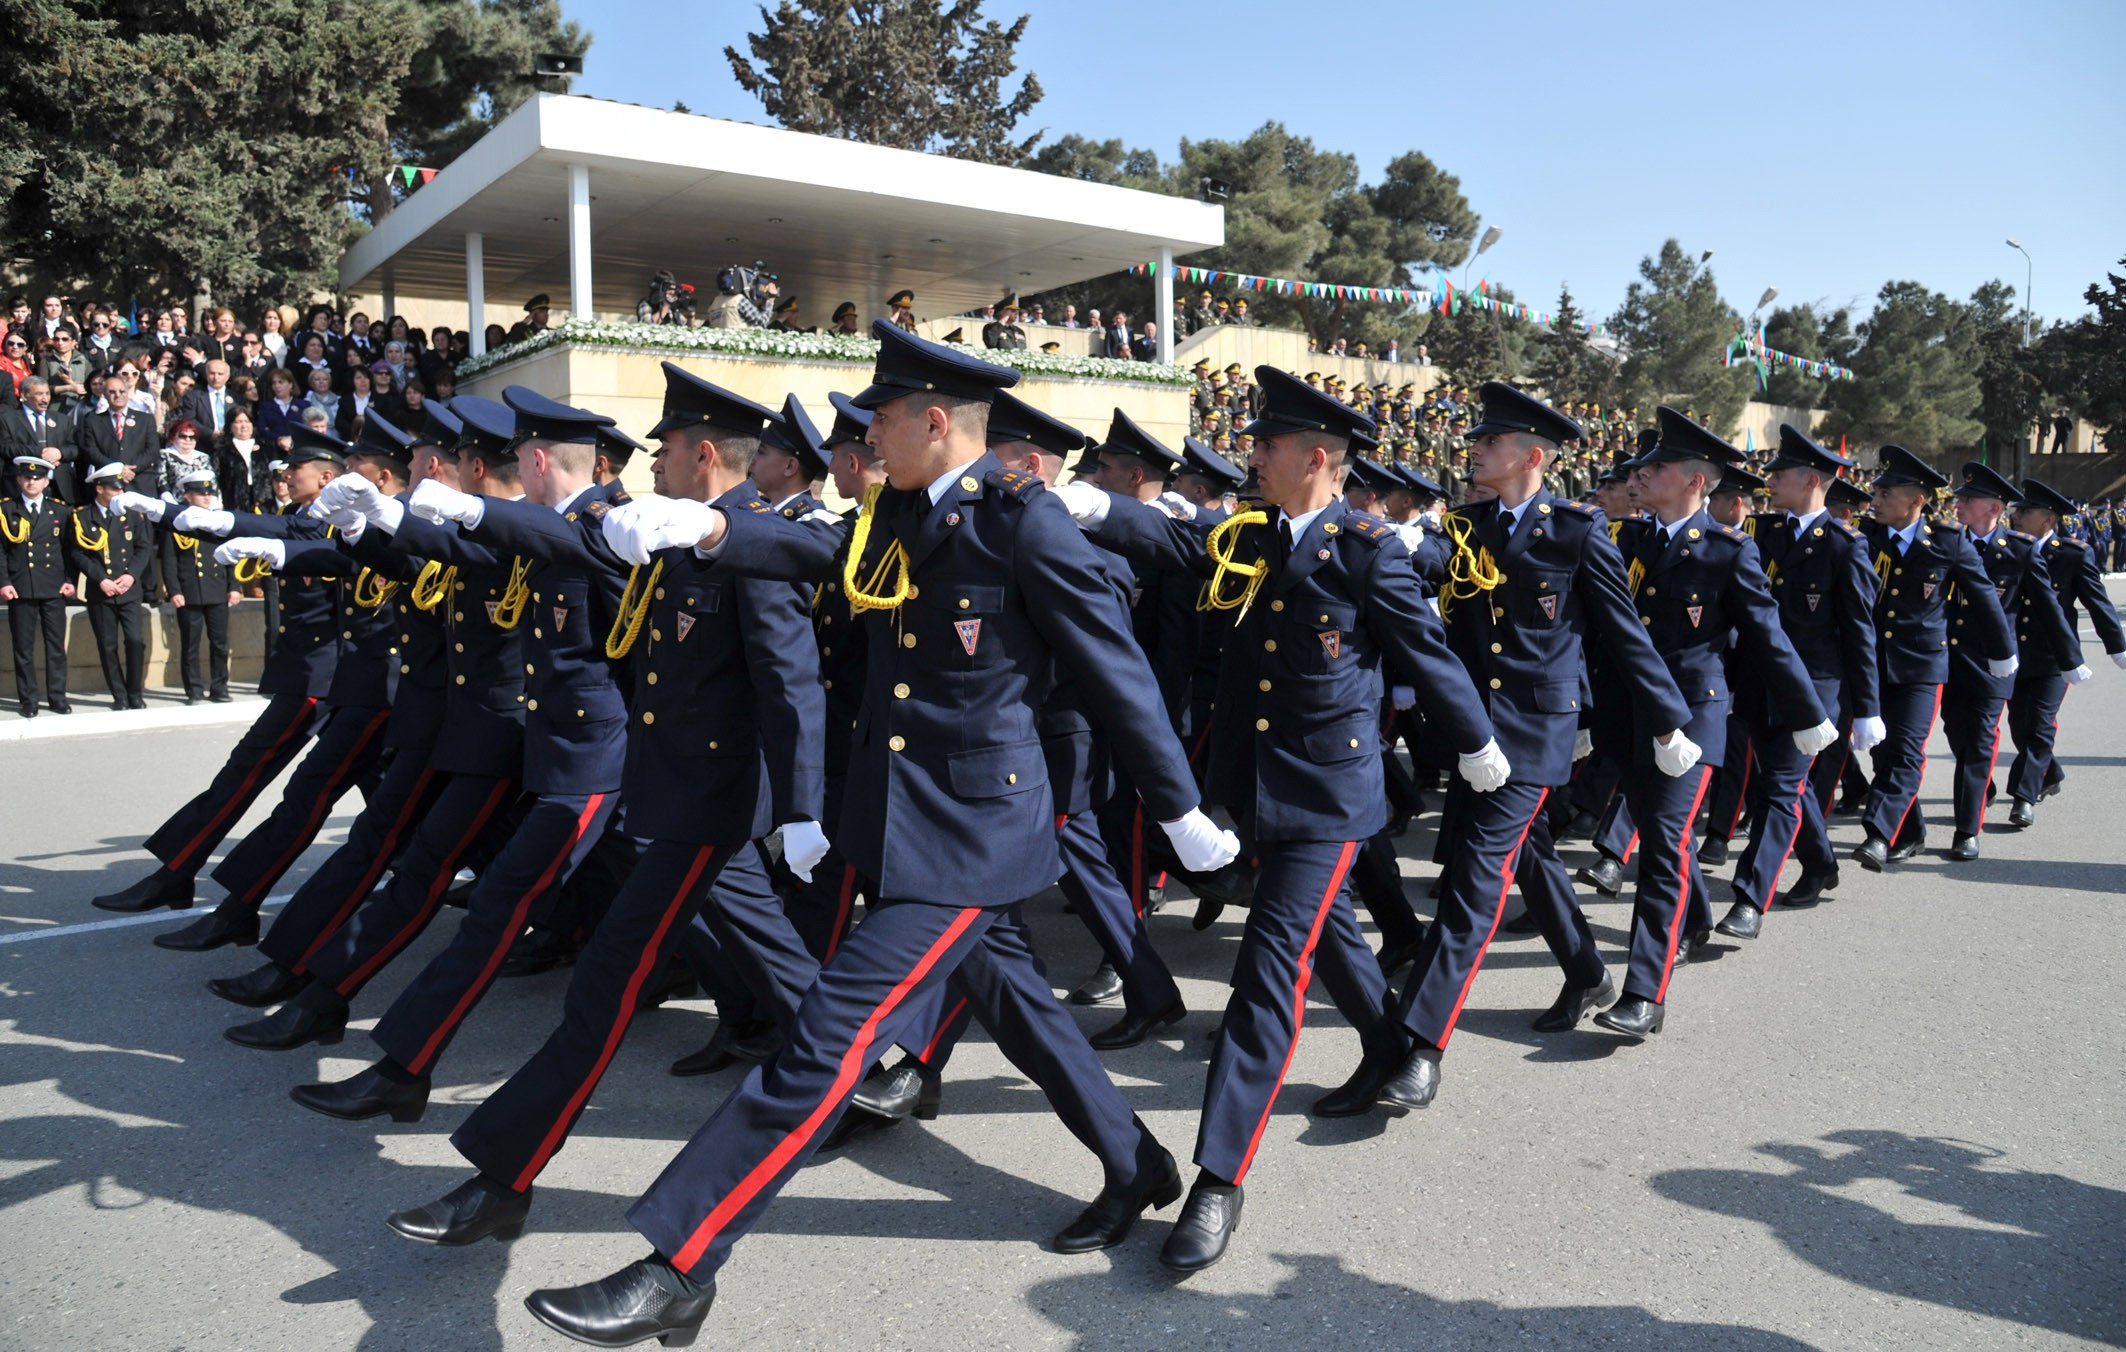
[{"x": 1942, "y": 1221}]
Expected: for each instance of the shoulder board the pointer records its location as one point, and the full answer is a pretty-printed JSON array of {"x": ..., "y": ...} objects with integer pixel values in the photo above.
[
  {"x": 1849, "y": 528},
  {"x": 618, "y": 497},
  {"x": 595, "y": 508},
  {"x": 1368, "y": 527},
  {"x": 757, "y": 503},
  {"x": 2025, "y": 538},
  {"x": 1586, "y": 509},
  {"x": 1016, "y": 483},
  {"x": 1729, "y": 531}
]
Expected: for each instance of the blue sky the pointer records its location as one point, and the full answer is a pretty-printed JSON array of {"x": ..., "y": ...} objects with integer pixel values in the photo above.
[{"x": 1822, "y": 149}]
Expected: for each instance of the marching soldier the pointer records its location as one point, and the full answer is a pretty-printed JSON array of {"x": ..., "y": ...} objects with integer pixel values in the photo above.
[
  {"x": 113, "y": 546},
  {"x": 202, "y": 593},
  {"x": 791, "y": 462},
  {"x": 36, "y": 581}
]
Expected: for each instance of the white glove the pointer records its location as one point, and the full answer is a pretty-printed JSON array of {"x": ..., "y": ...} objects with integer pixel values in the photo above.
[
  {"x": 274, "y": 552},
  {"x": 203, "y": 521},
  {"x": 432, "y": 501},
  {"x": 349, "y": 490},
  {"x": 1676, "y": 758},
  {"x": 1086, "y": 503},
  {"x": 2079, "y": 674},
  {"x": 2001, "y": 668},
  {"x": 636, "y": 530},
  {"x": 151, "y": 508},
  {"x": 1200, "y": 843},
  {"x": 1176, "y": 506},
  {"x": 803, "y": 846},
  {"x": 1582, "y": 744},
  {"x": 684, "y": 522},
  {"x": 1402, "y": 696},
  {"x": 1485, "y": 768},
  {"x": 1809, "y": 741},
  {"x": 1868, "y": 733},
  {"x": 350, "y": 524}
]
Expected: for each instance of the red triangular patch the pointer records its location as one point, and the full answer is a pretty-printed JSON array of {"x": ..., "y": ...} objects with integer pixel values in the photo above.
[
  {"x": 560, "y": 618},
  {"x": 1927, "y": 588},
  {"x": 492, "y": 607},
  {"x": 970, "y": 632},
  {"x": 1549, "y": 605},
  {"x": 1332, "y": 643},
  {"x": 683, "y": 625},
  {"x": 1696, "y": 613}
]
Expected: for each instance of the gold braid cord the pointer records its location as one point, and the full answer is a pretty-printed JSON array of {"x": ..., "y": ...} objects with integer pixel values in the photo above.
[
  {"x": 510, "y": 609},
  {"x": 371, "y": 591},
  {"x": 1634, "y": 575},
  {"x": 433, "y": 584},
  {"x": 1882, "y": 565},
  {"x": 16, "y": 535},
  {"x": 187, "y": 542},
  {"x": 96, "y": 545},
  {"x": 868, "y": 595},
  {"x": 1220, "y": 547},
  {"x": 1471, "y": 572},
  {"x": 250, "y": 570},
  {"x": 634, "y": 609}
]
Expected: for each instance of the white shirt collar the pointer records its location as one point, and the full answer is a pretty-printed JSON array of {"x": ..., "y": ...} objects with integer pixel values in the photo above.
[
  {"x": 942, "y": 485},
  {"x": 1300, "y": 523},
  {"x": 801, "y": 492},
  {"x": 574, "y": 498},
  {"x": 1802, "y": 522}
]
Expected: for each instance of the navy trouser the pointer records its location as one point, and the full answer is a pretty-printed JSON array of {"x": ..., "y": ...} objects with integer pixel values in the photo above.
[
  {"x": 1671, "y": 895},
  {"x": 1733, "y": 784},
  {"x": 1971, "y": 723},
  {"x": 512, "y": 1135},
  {"x": 2034, "y": 723},
  {"x": 1892, "y": 809},
  {"x": 184, "y": 841},
  {"x": 469, "y": 807},
  {"x": 1301, "y": 919},
  {"x": 345, "y": 754},
  {"x": 27, "y": 621},
  {"x": 1377, "y": 882},
  {"x": 740, "y": 941},
  {"x": 1616, "y": 832},
  {"x": 329, "y": 896},
  {"x": 1493, "y": 828},
  {"x": 557, "y": 831},
  {"x": 724, "y": 1178},
  {"x": 1098, "y": 896},
  {"x": 1547, "y": 888},
  {"x": 121, "y": 632},
  {"x": 1787, "y": 819}
]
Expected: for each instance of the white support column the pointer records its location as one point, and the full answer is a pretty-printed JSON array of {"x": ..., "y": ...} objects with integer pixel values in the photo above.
[
  {"x": 1163, "y": 289},
  {"x": 476, "y": 290},
  {"x": 579, "y": 241}
]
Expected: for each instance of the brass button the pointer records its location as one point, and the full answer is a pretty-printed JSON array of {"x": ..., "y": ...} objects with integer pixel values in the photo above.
[
  {"x": 712, "y": 746},
  {"x": 907, "y": 640},
  {"x": 458, "y": 646},
  {"x": 1269, "y": 645},
  {"x": 1277, "y": 605},
  {"x": 900, "y": 691},
  {"x": 346, "y": 633},
  {"x": 650, "y": 679},
  {"x": 914, "y": 592},
  {"x": 461, "y": 680},
  {"x": 655, "y": 636},
  {"x": 537, "y": 632},
  {"x": 1651, "y": 590},
  {"x": 648, "y": 717},
  {"x": 660, "y": 593},
  {"x": 1496, "y": 683},
  {"x": 1354, "y": 741},
  {"x": 1646, "y": 619},
  {"x": 458, "y": 586},
  {"x": 405, "y": 638},
  {"x": 579, "y": 714},
  {"x": 965, "y": 603},
  {"x": 529, "y": 668},
  {"x": 826, "y": 685},
  {"x": 407, "y": 671},
  {"x": 1262, "y": 725},
  {"x": 457, "y": 615},
  {"x": 1498, "y": 647},
  {"x": 1011, "y": 779},
  {"x": 896, "y": 743},
  {"x": 534, "y": 706},
  {"x": 1262, "y": 685}
]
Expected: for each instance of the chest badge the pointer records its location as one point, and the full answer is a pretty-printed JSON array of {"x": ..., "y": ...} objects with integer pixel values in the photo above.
[
  {"x": 684, "y": 625},
  {"x": 1332, "y": 643},
  {"x": 1696, "y": 613},
  {"x": 1814, "y": 601},
  {"x": 560, "y": 618},
  {"x": 970, "y": 632},
  {"x": 1548, "y": 605},
  {"x": 1926, "y": 590},
  {"x": 492, "y": 607}
]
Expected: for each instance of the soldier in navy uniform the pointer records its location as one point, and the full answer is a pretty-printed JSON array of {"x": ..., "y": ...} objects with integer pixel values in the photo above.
[
  {"x": 1327, "y": 601},
  {"x": 2034, "y": 708},
  {"x": 1700, "y": 590},
  {"x": 1825, "y": 591},
  {"x": 1736, "y": 787},
  {"x": 203, "y": 594},
  {"x": 113, "y": 546},
  {"x": 36, "y": 581},
  {"x": 615, "y": 449},
  {"x": 1974, "y": 698},
  {"x": 1920, "y": 566},
  {"x": 792, "y": 463},
  {"x": 972, "y": 584},
  {"x": 297, "y": 675}
]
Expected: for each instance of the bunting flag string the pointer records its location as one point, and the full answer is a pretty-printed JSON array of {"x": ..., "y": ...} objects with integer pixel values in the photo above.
[
  {"x": 408, "y": 174},
  {"x": 1447, "y": 300},
  {"x": 1750, "y": 349}
]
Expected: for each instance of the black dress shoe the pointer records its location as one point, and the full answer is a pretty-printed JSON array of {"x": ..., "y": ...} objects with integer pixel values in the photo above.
[
  {"x": 1872, "y": 854},
  {"x": 131, "y": 704},
  {"x": 1414, "y": 1084},
  {"x": 1900, "y": 853},
  {"x": 1107, "y": 1222},
  {"x": 728, "y": 1045},
  {"x": 1743, "y": 921},
  {"x": 1099, "y": 988},
  {"x": 909, "y": 1089},
  {"x": 1582, "y": 826},
  {"x": 2052, "y": 788},
  {"x": 1605, "y": 875},
  {"x": 265, "y": 985},
  {"x": 1395, "y": 957},
  {"x": 466, "y": 1214},
  {"x": 631, "y": 1306},
  {"x": 536, "y": 951},
  {"x": 2022, "y": 813},
  {"x": 1697, "y": 945},
  {"x": 1206, "y": 1226},
  {"x": 1356, "y": 1096},
  {"x": 1963, "y": 849},
  {"x": 223, "y": 925},
  {"x": 1131, "y": 1029},
  {"x": 1809, "y": 888},
  {"x": 160, "y": 888},
  {"x": 1575, "y": 1003},
  {"x": 366, "y": 1095},
  {"x": 459, "y": 895},
  {"x": 221, "y": 697},
  {"x": 675, "y": 981},
  {"x": 1849, "y": 805},
  {"x": 1712, "y": 853},
  {"x": 117, "y": 706},
  {"x": 1634, "y": 1016},
  {"x": 1233, "y": 885},
  {"x": 191, "y": 700},
  {"x": 295, "y": 1024},
  {"x": 1524, "y": 923},
  {"x": 28, "y": 711}
]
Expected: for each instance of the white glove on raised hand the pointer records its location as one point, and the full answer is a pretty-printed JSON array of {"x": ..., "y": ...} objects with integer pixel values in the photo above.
[
  {"x": 1200, "y": 843},
  {"x": 432, "y": 501},
  {"x": 1176, "y": 506},
  {"x": 203, "y": 521},
  {"x": 2079, "y": 674},
  {"x": 351, "y": 525},
  {"x": 803, "y": 846},
  {"x": 2119, "y": 660},
  {"x": 1086, "y": 503},
  {"x": 1582, "y": 744},
  {"x": 274, "y": 552},
  {"x": 349, "y": 490},
  {"x": 1676, "y": 758},
  {"x": 1809, "y": 741},
  {"x": 1485, "y": 768},
  {"x": 151, "y": 508},
  {"x": 1868, "y": 733},
  {"x": 1402, "y": 696},
  {"x": 684, "y": 522},
  {"x": 2002, "y": 667}
]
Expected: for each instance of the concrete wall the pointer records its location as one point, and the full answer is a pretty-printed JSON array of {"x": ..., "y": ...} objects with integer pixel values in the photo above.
[
  {"x": 1286, "y": 349},
  {"x": 84, "y": 677}
]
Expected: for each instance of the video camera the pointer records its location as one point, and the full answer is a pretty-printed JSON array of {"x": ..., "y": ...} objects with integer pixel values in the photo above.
[{"x": 742, "y": 279}]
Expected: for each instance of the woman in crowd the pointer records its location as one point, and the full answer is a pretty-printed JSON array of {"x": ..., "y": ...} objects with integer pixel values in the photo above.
[
  {"x": 270, "y": 334},
  {"x": 240, "y": 461},
  {"x": 15, "y": 359},
  {"x": 354, "y": 403},
  {"x": 181, "y": 455},
  {"x": 278, "y": 414},
  {"x": 314, "y": 354},
  {"x": 172, "y": 398}
]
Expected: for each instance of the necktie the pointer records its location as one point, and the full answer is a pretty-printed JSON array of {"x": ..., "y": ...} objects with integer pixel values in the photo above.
[
  {"x": 1284, "y": 535},
  {"x": 118, "y": 422}
]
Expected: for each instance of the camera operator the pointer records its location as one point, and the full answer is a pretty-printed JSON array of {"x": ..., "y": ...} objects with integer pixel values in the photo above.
[
  {"x": 745, "y": 297},
  {"x": 661, "y": 305}
]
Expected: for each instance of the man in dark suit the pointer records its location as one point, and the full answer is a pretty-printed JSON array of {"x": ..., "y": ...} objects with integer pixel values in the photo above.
[
  {"x": 41, "y": 432},
  {"x": 1145, "y": 346},
  {"x": 210, "y": 402},
  {"x": 115, "y": 433},
  {"x": 1117, "y": 342}
]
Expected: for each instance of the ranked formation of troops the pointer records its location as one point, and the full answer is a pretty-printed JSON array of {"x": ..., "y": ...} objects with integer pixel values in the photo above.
[{"x": 816, "y": 764}]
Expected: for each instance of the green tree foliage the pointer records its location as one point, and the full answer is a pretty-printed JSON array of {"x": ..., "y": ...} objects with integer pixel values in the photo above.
[
  {"x": 1472, "y": 345},
  {"x": 2009, "y": 383},
  {"x": 1564, "y": 363},
  {"x": 1674, "y": 327},
  {"x": 2085, "y": 361},
  {"x": 172, "y": 147},
  {"x": 1805, "y": 331},
  {"x": 1916, "y": 375},
  {"x": 915, "y": 74}
]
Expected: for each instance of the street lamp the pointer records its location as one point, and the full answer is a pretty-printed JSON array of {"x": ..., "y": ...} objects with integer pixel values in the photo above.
[
  {"x": 1771, "y": 293},
  {"x": 1491, "y": 237},
  {"x": 2029, "y": 270}
]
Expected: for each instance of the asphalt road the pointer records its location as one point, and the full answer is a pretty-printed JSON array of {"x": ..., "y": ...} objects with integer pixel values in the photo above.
[{"x": 1896, "y": 1120}]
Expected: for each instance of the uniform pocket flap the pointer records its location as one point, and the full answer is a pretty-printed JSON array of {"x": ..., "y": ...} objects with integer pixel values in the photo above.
[
  {"x": 1557, "y": 697},
  {"x": 995, "y": 771},
  {"x": 1348, "y": 740}
]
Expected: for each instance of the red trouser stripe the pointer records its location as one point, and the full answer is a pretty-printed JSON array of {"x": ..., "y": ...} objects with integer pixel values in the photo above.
[
  {"x": 1675, "y": 922},
  {"x": 1921, "y": 778},
  {"x": 1788, "y": 852},
  {"x": 333, "y": 788},
  {"x": 939, "y": 1036},
  {"x": 437, "y": 886},
  {"x": 176, "y": 863},
  {"x": 843, "y": 902},
  {"x": 1633, "y": 844},
  {"x": 1505, "y": 886},
  {"x": 1299, "y": 998},
  {"x": 378, "y": 862},
  {"x": 1742, "y": 792},
  {"x": 852, "y": 1067},
  {"x": 622, "y": 1016},
  {"x": 509, "y": 934}
]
